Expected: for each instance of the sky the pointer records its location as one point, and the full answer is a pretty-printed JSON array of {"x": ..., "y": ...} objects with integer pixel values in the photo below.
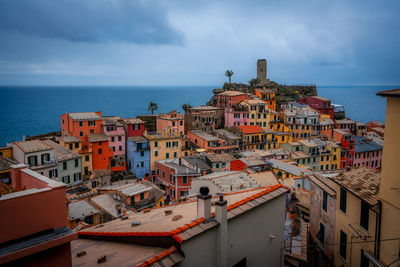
[{"x": 185, "y": 42}]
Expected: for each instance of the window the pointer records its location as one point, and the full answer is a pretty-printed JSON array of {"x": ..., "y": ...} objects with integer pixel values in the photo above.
[
  {"x": 119, "y": 138},
  {"x": 70, "y": 146},
  {"x": 76, "y": 163},
  {"x": 343, "y": 244},
  {"x": 45, "y": 157},
  {"x": 142, "y": 164},
  {"x": 141, "y": 196},
  {"x": 321, "y": 233},
  {"x": 91, "y": 123},
  {"x": 155, "y": 144},
  {"x": 91, "y": 131},
  {"x": 87, "y": 158},
  {"x": 80, "y": 133},
  {"x": 86, "y": 170},
  {"x": 53, "y": 173},
  {"x": 80, "y": 123},
  {"x": 112, "y": 139},
  {"x": 64, "y": 165},
  {"x": 181, "y": 123},
  {"x": 217, "y": 165},
  {"x": 364, "y": 259},
  {"x": 142, "y": 153},
  {"x": 76, "y": 145},
  {"x": 163, "y": 174},
  {"x": 184, "y": 179},
  {"x": 325, "y": 201},
  {"x": 183, "y": 193},
  {"x": 175, "y": 154},
  {"x": 156, "y": 153},
  {"x": 364, "y": 218},
  {"x": 120, "y": 148},
  {"x": 167, "y": 155},
  {"x": 100, "y": 151},
  {"x": 173, "y": 124}
]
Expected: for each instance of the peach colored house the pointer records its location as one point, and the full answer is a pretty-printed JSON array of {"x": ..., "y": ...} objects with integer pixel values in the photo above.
[
  {"x": 33, "y": 221},
  {"x": 212, "y": 144},
  {"x": 172, "y": 120}
]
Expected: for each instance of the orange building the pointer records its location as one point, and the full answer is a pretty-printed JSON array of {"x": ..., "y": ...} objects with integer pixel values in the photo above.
[
  {"x": 81, "y": 124},
  {"x": 172, "y": 120},
  {"x": 228, "y": 99},
  {"x": 268, "y": 96},
  {"x": 101, "y": 152}
]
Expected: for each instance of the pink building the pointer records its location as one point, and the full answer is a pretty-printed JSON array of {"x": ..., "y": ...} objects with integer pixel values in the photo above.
[
  {"x": 237, "y": 116},
  {"x": 173, "y": 120},
  {"x": 115, "y": 132},
  {"x": 33, "y": 224},
  {"x": 367, "y": 153}
]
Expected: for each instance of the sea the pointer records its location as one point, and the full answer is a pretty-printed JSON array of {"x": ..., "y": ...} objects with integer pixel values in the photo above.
[{"x": 33, "y": 110}]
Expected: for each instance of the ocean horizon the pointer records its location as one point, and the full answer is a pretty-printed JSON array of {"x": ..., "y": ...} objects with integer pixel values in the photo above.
[{"x": 32, "y": 110}]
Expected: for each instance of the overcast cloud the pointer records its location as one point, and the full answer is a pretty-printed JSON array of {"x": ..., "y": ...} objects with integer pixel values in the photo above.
[{"x": 130, "y": 42}]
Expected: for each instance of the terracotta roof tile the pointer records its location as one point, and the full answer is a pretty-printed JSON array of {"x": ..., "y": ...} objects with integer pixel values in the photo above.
[{"x": 251, "y": 129}]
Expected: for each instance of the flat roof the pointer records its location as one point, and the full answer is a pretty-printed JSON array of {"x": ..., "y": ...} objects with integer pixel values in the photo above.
[
  {"x": 223, "y": 157},
  {"x": 132, "y": 121},
  {"x": 106, "y": 202},
  {"x": 204, "y": 135},
  {"x": 70, "y": 139},
  {"x": 112, "y": 121},
  {"x": 228, "y": 134},
  {"x": 80, "y": 208},
  {"x": 138, "y": 139},
  {"x": 32, "y": 146},
  {"x": 287, "y": 167},
  {"x": 230, "y": 181},
  {"x": 129, "y": 189},
  {"x": 83, "y": 116}
]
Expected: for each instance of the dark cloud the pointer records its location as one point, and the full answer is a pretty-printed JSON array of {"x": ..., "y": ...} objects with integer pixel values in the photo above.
[{"x": 93, "y": 21}]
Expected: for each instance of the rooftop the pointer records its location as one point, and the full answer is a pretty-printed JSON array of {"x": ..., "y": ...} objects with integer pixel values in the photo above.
[
  {"x": 130, "y": 189},
  {"x": 138, "y": 139},
  {"x": 392, "y": 93},
  {"x": 132, "y": 121},
  {"x": 265, "y": 91},
  {"x": 120, "y": 253},
  {"x": 97, "y": 138},
  {"x": 341, "y": 132},
  {"x": 196, "y": 160},
  {"x": 156, "y": 221},
  {"x": 61, "y": 153},
  {"x": 252, "y": 161},
  {"x": 223, "y": 157},
  {"x": 363, "y": 144},
  {"x": 307, "y": 143},
  {"x": 230, "y": 181},
  {"x": 70, "y": 139},
  {"x": 6, "y": 163},
  {"x": 204, "y": 107},
  {"x": 84, "y": 116},
  {"x": 228, "y": 134},
  {"x": 345, "y": 121},
  {"x": 362, "y": 182},
  {"x": 264, "y": 178},
  {"x": 231, "y": 93},
  {"x": 298, "y": 155},
  {"x": 112, "y": 121},
  {"x": 251, "y": 129},
  {"x": 33, "y": 146},
  {"x": 253, "y": 102},
  {"x": 204, "y": 135},
  {"x": 180, "y": 169},
  {"x": 292, "y": 169},
  {"x": 323, "y": 183},
  {"x": 106, "y": 202},
  {"x": 79, "y": 209}
]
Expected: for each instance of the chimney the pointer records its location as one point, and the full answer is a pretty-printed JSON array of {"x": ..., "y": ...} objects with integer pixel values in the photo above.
[
  {"x": 221, "y": 210},
  {"x": 204, "y": 203}
]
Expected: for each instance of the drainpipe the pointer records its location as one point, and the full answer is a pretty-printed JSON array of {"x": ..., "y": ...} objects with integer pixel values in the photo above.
[
  {"x": 378, "y": 231},
  {"x": 222, "y": 236}
]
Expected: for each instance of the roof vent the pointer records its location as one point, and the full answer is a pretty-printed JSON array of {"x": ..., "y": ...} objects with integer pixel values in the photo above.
[
  {"x": 102, "y": 259},
  {"x": 81, "y": 253},
  {"x": 177, "y": 217},
  {"x": 168, "y": 212},
  {"x": 135, "y": 223},
  {"x": 99, "y": 226}
]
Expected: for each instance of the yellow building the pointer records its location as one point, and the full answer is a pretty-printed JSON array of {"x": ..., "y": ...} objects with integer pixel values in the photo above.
[
  {"x": 389, "y": 192},
  {"x": 164, "y": 145},
  {"x": 6, "y": 152},
  {"x": 357, "y": 211},
  {"x": 258, "y": 112},
  {"x": 271, "y": 139},
  {"x": 74, "y": 143},
  {"x": 335, "y": 154}
]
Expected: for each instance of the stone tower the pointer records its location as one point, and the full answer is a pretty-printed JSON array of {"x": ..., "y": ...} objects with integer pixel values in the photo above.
[{"x": 262, "y": 71}]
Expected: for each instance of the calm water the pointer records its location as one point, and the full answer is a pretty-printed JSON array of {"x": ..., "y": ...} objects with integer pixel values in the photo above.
[{"x": 37, "y": 110}]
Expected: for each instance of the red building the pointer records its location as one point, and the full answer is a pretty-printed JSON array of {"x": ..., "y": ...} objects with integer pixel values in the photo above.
[
  {"x": 228, "y": 99},
  {"x": 321, "y": 104},
  {"x": 81, "y": 124},
  {"x": 133, "y": 127},
  {"x": 33, "y": 221},
  {"x": 175, "y": 177},
  {"x": 347, "y": 143}
]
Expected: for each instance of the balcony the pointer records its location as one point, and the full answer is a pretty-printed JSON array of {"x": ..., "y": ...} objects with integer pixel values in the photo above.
[{"x": 142, "y": 149}]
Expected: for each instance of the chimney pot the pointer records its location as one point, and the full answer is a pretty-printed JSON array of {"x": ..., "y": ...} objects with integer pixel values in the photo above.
[{"x": 204, "y": 203}]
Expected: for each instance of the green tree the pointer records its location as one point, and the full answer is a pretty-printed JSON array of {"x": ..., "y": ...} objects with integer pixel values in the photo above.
[
  {"x": 186, "y": 107},
  {"x": 152, "y": 107},
  {"x": 253, "y": 83},
  {"x": 229, "y": 74}
]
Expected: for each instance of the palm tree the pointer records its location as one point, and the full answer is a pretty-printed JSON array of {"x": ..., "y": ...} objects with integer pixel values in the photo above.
[
  {"x": 152, "y": 107},
  {"x": 229, "y": 74},
  {"x": 186, "y": 107}
]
